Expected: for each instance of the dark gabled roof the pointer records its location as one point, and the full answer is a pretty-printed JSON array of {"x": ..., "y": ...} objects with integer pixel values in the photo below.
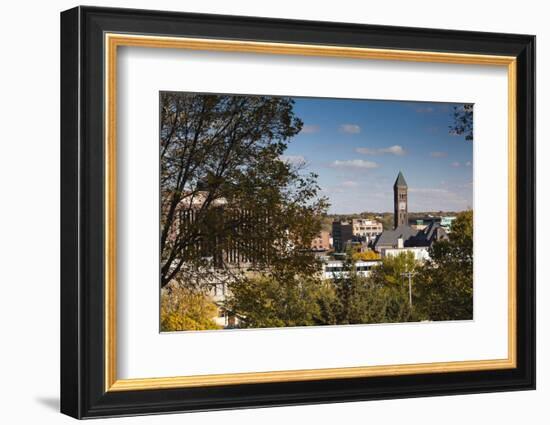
[
  {"x": 433, "y": 232},
  {"x": 400, "y": 181},
  {"x": 389, "y": 237},
  {"x": 411, "y": 237}
]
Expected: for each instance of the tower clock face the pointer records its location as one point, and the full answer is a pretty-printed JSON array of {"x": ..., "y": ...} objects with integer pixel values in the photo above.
[{"x": 402, "y": 206}]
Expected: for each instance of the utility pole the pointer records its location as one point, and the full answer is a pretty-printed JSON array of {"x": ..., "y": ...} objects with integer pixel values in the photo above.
[{"x": 409, "y": 275}]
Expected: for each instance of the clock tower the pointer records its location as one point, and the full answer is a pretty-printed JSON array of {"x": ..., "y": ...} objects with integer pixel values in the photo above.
[{"x": 400, "y": 208}]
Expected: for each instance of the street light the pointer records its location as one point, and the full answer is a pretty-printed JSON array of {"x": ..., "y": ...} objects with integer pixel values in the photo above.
[{"x": 409, "y": 275}]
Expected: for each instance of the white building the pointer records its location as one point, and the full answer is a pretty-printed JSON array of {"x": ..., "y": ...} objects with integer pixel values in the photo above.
[
  {"x": 367, "y": 228},
  {"x": 335, "y": 269},
  {"x": 420, "y": 252}
]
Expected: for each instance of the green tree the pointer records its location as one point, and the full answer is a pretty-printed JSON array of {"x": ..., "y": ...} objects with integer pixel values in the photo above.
[
  {"x": 382, "y": 297},
  {"x": 268, "y": 301},
  {"x": 346, "y": 298},
  {"x": 224, "y": 183},
  {"x": 445, "y": 283},
  {"x": 355, "y": 300},
  {"x": 390, "y": 288}
]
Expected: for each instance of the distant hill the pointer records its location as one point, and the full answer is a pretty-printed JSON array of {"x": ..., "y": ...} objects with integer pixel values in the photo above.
[{"x": 386, "y": 217}]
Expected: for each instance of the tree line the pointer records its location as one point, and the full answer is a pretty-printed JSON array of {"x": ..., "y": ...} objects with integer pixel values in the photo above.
[{"x": 442, "y": 289}]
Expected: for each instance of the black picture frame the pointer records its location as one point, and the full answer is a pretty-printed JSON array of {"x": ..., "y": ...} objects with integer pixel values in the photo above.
[{"x": 83, "y": 392}]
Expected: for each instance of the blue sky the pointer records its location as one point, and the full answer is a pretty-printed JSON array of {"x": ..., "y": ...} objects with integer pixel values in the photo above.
[{"x": 357, "y": 147}]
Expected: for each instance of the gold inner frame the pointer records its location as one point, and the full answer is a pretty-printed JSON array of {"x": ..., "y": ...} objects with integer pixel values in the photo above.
[{"x": 113, "y": 41}]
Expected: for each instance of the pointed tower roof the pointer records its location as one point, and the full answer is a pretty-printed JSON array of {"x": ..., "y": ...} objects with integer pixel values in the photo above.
[{"x": 400, "y": 181}]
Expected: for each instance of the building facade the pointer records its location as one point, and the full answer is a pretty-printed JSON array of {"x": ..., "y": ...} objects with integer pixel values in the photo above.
[
  {"x": 367, "y": 228},
  {"x": 342, "y": 233},
  {"x": 321, "y": 242}
]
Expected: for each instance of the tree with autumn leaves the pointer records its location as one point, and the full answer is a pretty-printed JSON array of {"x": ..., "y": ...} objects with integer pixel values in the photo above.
[
  {"x": 224, "y": 153},
  {"x": 224, "y": 182}
]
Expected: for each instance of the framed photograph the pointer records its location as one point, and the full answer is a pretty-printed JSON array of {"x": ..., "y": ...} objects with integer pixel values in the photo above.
[{"x": 261, "y": 212}]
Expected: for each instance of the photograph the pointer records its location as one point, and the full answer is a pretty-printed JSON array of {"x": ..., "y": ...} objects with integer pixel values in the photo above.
[
  {"x": 280, "y": 211},
  {"x": 346, "y": 203}
]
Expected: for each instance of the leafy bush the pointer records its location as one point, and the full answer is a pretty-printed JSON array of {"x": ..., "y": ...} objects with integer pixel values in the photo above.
[{"x": 183, "y": 309}]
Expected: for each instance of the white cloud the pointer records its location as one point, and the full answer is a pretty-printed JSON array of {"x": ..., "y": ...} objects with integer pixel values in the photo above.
[
  {"x": 350, "y": 128},
  {"x": 438, "y": 154},
  {"x": 354, "y": 163},
  {"x": 349, "y": 183},
  {"x": 393, "y": 150},
  {"x": 435, "y": 199},
  {"x": 293, "y": 159},
  {"x": 310, "y": 128},
  {"x": 455, "y": 164}
]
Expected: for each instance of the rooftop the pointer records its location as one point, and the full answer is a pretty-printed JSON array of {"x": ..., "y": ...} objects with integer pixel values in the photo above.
[
  {"x": 411, "y": 237},
  {"x": 400, "y": 181}
]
